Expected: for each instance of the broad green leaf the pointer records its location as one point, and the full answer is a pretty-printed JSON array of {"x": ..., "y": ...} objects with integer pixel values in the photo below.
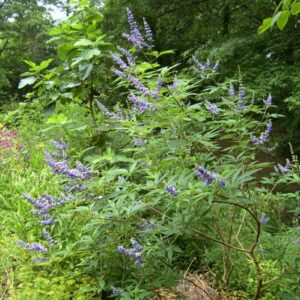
[
  {"x": 85, "y": 55},
  {"x": 295, "y": 9},
  {"x": 282, "y": 20},
  {"x": 27, "y": 81},
  {"x": 265, "y": 25},
  {"x": 83, "y": 43},
  {"x": 275, "y": 18}
]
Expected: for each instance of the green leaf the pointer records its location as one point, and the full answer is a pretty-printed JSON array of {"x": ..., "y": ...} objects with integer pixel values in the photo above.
[
  {"x": 265, "y": 25},
  {"x": 83, "y": 43},
  {"x": 275, "y": 18},
  {"x": 282, "y": 20},
  {"x": 27, "y": 81},
  {"x": 286, "y": 4},
  {"x": 88, "y": 71},
  {"x": 30, "y": 63},
  {"x": 44, "y": 64},
  {"x": 59, "y": 119},
  {"x": 85, "y": 55},
  {"x": 295, "y": 9}
]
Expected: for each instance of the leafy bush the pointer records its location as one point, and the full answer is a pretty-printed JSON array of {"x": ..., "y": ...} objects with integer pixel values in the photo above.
[{"x": 176, "y": 185}]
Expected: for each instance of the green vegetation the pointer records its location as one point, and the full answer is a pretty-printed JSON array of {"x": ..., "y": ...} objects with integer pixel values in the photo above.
[{"x": 149, "y": 153}]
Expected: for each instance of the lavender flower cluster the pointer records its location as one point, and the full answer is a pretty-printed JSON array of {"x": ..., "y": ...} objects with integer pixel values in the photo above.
[
  {"x": 44, "y": 204},
  {"x": 117, "y": 291},
  {"x": 171, "y": 190},
  {"x": 135, "y": 37},
  {"x": 241, "y": 96},
  {"x": 133, "y": 252},
  {"x": 208, "y": 177},
  {"x": 268, "y": 101},
  {"x": 212, "y": 108},
  {"x": 205, "y": 66},
  {"x": 264, "y": 136},
  {"x": 141, "y": 105},
  {"x": 279, "y": 169}
]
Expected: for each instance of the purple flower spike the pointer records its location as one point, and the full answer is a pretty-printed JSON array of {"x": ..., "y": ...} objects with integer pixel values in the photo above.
[
  {"x": 231, "y": 90},
  {"x": 106, "y": 112},
  {"x": 264, "y": 219},
  {"x": 221, "y": 183},
  {"x": 117, "y": 291},
  {"x": 283, "y": 169},
  {"x": 216, "y": 67},
  {"x": 268, "y": 101},
  {"x": 119, "y": 61},
  {"x": 148, "y": 31},
  {"x": 212, "y": 108},
  {"x": 171, "y": 190},
  {"x": 128, "y": 55},
  {"x": 133, "y": 252},
  {"x": 207, "y": 176},
  {"x": 48, "y": 238},
  {"x": 118, "y": 73},
  {"x": 242, "y": 93},
  {"x": 136, "y": 245},
  {"x": 33, "y": 247}
]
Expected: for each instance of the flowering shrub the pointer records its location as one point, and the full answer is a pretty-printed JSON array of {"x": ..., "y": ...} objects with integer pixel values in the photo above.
[{"x": 180, "y": 185}]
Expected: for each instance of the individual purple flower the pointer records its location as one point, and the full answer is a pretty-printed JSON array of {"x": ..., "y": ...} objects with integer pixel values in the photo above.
[
  {"x": 136, "y": 245},
  {"x": 264, "y": 136},
  {"x": 173, "y": 86},
  {"x": 139, "y": 142},
  {"x": 117, "y": 291},
  {"x": 231, "y": 90},
  {"x": 171, "y": 190},
  {"x": 58, "y": 167},
  {"x": 264, "y": 219},
  {"x": 145, "y": 225},
  {"x": 269, "y": 127},
  {"x": 221, "y": 183},
  {"x": 33, "y": 247},
  {"x": 208, "y": 63},
  {"x": 133, "y": 252},
  {"x": 119, "y": 61},
  {"x": 160, "y": 83},
  {"x": 201, "y": 67},
  {"x": 106, "y": 112},
  {"x": 122, "y": 250},
  {"x": 61, "y": 146},
  {"x": 128, "y": 55},
  {"x": 207, "y": 176},
  {"x": 47, "y": 220},
  {"x": 118, "y": 73},
  {"x": 141, "y": 105},
  {"x": 212, "y": 108},
  {"x": 216, "y": 67},
  {"x": 283, "y": 169},
  {"x": 48, "y": 238},
  {"x": 138, "y": 85},
  {"x": 268, "y": 101}
]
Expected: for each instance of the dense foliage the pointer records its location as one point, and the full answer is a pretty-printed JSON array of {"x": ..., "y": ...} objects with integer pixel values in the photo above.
[{"x": 135, "y": 172}]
